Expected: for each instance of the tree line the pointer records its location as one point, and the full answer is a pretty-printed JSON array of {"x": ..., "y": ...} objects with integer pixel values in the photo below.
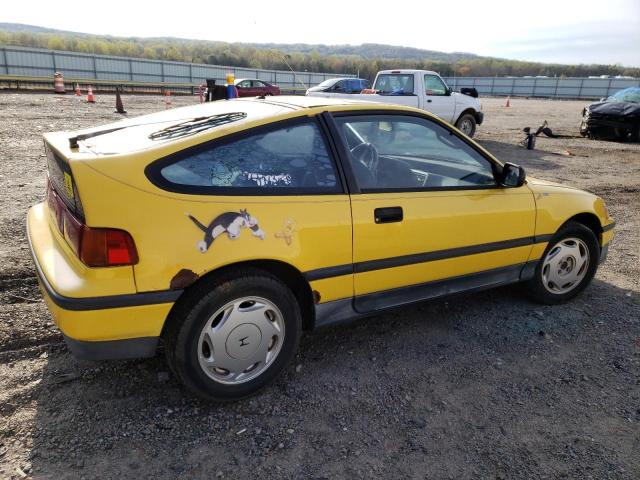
[{"x": 267, "y": 57}]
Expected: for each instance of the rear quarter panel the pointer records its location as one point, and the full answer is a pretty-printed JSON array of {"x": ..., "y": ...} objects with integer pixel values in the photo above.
[{"x": 305, "y": 231}]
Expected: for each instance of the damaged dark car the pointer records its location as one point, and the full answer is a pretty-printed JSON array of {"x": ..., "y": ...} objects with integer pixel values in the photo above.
[{"x": 614, "y": 118}]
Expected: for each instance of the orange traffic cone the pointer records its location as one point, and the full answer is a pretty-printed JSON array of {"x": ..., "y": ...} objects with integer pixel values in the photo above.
[
  {"x": 167, "y": 99},
  {"x": 78, "y": 92},
  {"x": 507, "y": 104},
  {"x": 90, "y": 98}
]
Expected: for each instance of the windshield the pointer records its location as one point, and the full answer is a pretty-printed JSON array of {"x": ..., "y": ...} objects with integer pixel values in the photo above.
[
  {"x": 328, "y": 83},
  {"x": 394, "y": 83},
  {"x": 631, "y": 94}
]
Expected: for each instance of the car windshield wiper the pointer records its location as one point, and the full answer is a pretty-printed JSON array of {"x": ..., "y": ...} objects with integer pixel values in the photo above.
[
  {"x": 196, "y": 125},
  {"x": 199, "y": 123}
]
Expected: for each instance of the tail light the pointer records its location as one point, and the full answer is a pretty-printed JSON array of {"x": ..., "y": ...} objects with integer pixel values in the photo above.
[{"x": 95, "y": 247}]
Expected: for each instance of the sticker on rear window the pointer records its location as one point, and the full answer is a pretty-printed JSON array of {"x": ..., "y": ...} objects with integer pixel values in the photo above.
[{"x": 68, "y": 185}]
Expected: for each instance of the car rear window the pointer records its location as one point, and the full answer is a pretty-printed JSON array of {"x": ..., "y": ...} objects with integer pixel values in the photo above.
[
  {"x": 397, "y": 84},
  {"x": 290, "y": 159}
]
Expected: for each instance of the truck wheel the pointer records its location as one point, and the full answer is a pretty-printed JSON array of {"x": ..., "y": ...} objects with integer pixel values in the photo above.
[
  {"x": 467, "y": 124},
  {"x": 232, "y": 335}
]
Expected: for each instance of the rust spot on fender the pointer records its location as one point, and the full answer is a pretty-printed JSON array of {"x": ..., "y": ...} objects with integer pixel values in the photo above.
[{"x": 183, "y": 279}]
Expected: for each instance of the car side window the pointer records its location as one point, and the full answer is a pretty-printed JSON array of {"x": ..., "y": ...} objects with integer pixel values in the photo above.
[
  {"x": 288, "y": 159},
  {"x": 434, "y": 85},
  {"x": 244, "y": 84},
  {"x": 257, "y": 84},
  {"x": 397, "y": 152}
]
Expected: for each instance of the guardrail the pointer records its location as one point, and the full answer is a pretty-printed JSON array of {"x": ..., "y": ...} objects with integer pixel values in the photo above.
[
  {"x": 19, "y": 83},
  {"x": 574, "y": 87},
  {"x": 43, "y": 63}
]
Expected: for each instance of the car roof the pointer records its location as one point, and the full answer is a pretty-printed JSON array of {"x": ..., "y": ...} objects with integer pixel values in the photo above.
[
  {"x": 406, "y": 71},
  {"x": 133, "y": 134},
  {"x": 300, "y": 102}
]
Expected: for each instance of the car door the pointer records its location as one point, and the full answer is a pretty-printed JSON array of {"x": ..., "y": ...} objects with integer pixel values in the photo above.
[
  {"x": 270, "y": 193},
  {"x": 437, "y": 98},
  {"x": 428, "y": 216},
  {"x": 339, "y": 87},
  {"x": 259, "y": 87},
  {"x": 245, "y": 89}
]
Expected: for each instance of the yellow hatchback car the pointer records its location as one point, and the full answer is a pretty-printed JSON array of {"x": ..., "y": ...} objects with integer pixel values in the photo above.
[{"x": 225, "y": 229}]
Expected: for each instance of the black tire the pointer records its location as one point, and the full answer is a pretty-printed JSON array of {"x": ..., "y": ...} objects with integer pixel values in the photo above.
[
  {"x": 621, "y": 134},
  {"x": 535, "y": 288},
  {"x": 467, "y": 124},
  {"x": 182, "y": 336}
]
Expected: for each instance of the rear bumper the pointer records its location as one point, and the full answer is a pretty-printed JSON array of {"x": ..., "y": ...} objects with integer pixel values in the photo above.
[
  {"x": 607, "y": 236},
  {"x": 115, "y": 326}
]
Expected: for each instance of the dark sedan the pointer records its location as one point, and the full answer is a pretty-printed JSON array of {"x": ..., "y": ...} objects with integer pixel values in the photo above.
[
  {"x": 252, "y": 87},
  {"x": 614, "y": 118}
]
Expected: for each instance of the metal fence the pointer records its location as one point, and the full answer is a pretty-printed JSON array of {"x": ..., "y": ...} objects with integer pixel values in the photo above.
[
  {"x": 587, "y": 88},
  {"x": 37, "y": 62},
  {"x": 18, "y": 63}
]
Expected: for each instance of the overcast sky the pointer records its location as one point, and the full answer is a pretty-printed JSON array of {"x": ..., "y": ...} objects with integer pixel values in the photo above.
[{"x": 563, "y": 31}]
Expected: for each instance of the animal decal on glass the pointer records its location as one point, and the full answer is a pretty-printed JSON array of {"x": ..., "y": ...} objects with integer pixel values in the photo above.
[
  {"x": 288, "y": 229},
  {"x": 230, "y": 223}
]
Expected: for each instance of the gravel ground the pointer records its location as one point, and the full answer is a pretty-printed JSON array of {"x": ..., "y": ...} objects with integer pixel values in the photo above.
[{"x": 487, "y": 385}]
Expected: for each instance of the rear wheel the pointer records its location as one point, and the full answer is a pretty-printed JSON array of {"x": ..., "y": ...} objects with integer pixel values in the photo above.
[
  {"x": 567, "y": 265},
  {"x": 467, "y": 124},
  {"x": 231, "y": 336}
]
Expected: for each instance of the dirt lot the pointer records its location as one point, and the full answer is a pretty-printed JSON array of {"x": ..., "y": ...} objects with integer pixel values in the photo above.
[{"x": 488, "y": 385}]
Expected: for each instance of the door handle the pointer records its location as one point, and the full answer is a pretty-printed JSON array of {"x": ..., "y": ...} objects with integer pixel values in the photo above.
[
  {"x": 388, "y": 214},
  {"x": 429, "y": 100}
]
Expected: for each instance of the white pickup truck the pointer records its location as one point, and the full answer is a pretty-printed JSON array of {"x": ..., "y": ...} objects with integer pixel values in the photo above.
[{"x": 425, "y": 90}]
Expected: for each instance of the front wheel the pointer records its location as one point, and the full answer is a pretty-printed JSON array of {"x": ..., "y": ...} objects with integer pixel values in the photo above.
[
  {"x": 467, "y": 124},
  {"x": 567, "y": 266},
  {"x": 232, "y": 336}
]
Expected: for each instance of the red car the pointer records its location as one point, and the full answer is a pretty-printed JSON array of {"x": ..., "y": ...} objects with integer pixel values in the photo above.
[{"x": 252, "y": 87}]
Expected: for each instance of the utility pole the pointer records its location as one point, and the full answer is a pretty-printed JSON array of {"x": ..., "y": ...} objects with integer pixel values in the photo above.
[{"x": 295, "y": 77}]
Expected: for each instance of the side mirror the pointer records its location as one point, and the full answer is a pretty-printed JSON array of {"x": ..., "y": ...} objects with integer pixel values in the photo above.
[{"x": 512, "y": 175}]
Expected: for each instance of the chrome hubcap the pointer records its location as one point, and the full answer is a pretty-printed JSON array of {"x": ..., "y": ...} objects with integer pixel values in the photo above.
[
  {"x": 240, "y": 340},
  {"x": 466, "y": 127},
  {"x": 565, "y": 265}
]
